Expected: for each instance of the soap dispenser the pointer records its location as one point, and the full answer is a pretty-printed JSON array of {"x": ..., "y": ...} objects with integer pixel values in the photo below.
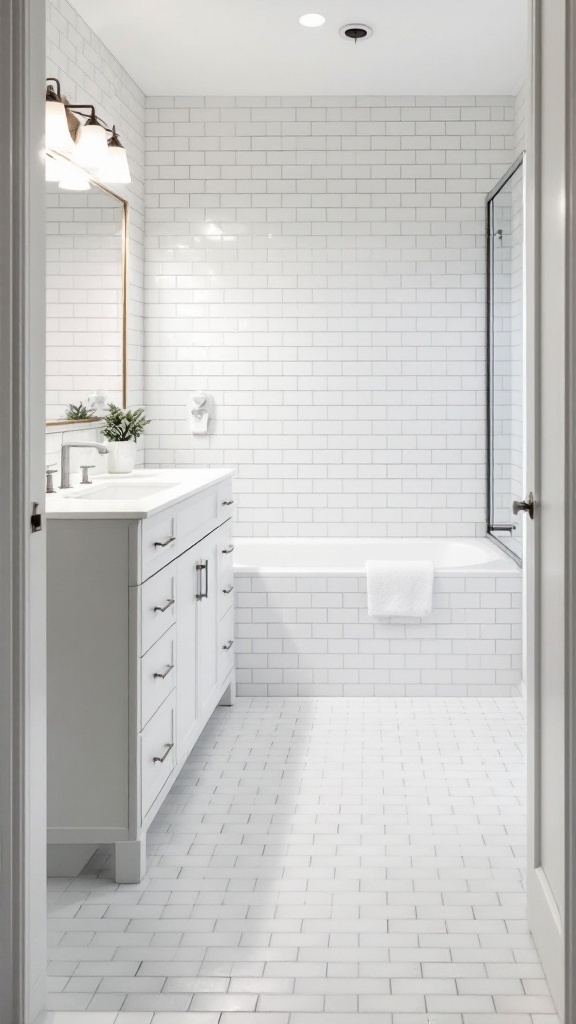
[{"x": 199, "y": 412}]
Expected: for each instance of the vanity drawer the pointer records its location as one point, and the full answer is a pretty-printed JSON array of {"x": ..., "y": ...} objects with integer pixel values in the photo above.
[
  {"x": 225, "y": 571},
  {"x": 225, "y": 499},
  {"x": 157, "y": 752},
  {"x": 197, "y": 518},
  {"x": 169, "y": 534},
  {"x": 157, "y": 606},
  {"x": 159, "y": 542},
  {"x": 226, "y": 645},
  {"x": 157, "y": 675},
  {"x": 226, "y": 596}
]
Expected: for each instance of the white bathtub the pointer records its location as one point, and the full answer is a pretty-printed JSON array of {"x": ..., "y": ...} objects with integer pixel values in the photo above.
[
  {"x": 303, "y": 627},
  {"x": 311, "y": 557}
]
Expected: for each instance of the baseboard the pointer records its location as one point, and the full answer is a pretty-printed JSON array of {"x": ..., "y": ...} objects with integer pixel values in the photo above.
[{"x": 66, "y": 860}]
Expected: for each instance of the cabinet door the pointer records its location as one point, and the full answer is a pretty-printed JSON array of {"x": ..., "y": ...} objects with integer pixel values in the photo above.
[
  {"x": 207, "y": 646},
  {"x": 187, "y": 589}
]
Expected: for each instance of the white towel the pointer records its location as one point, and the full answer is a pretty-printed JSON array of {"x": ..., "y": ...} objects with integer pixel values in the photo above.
[{"x": 400, "y": 588}]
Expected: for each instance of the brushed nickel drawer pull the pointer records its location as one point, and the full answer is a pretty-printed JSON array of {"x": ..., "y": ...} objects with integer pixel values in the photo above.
[
  {"x": 162, "y": 675},
  {"x": 200, "y": 568},
  {"x": 228, "y": 590},
  {"x": 160, "y": 760},
  {"x": 163, "y": 543},
  {"x": 226, "y": 647},
  {"x": 228, "y": 551},
  {"x": 230, "y": 502},
  {"x": 165, "y": 607}
]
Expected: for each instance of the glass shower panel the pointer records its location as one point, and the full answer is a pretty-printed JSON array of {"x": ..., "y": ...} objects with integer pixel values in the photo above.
[{"x": 506, "y": 358}]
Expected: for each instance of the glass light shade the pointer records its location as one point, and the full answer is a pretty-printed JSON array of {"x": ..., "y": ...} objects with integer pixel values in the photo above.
[
  {"x": 114, "y": 169},
  {"x": 91, "y": 148},
  {"x": 74, "y": 179},
  {"x": 55, "y": 168},
  {"x": 58, "y": 135}
]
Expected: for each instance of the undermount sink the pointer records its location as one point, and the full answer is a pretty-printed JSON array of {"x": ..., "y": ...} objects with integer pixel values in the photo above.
[{"x": 122, "y": 491}]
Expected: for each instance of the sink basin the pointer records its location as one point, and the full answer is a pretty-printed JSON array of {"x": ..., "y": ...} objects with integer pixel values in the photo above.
[{"x": 122, "y": 491}]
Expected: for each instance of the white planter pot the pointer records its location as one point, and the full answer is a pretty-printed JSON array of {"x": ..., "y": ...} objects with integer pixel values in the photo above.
[{"x": 121, "y": 456}]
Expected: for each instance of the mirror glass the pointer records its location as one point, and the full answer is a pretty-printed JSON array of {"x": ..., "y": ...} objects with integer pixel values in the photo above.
[
  {"x": 85, "y": 308},
  {"x": 506, "y": 358}
]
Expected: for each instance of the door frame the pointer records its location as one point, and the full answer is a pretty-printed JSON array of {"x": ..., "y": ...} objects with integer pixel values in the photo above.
[
  {"x": 570, "y": 513},
  {"x": 563, "y": 969},
  {"x": 22, "y": 770},
  {"x": 22, "y": 553}
]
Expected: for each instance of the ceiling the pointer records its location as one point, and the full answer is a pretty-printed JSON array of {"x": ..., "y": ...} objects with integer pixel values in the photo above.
[{"x": 258, "y": 48}]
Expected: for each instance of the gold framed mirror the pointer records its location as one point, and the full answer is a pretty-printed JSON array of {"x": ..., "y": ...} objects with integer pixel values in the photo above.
[{"x": 86, "y": 302}]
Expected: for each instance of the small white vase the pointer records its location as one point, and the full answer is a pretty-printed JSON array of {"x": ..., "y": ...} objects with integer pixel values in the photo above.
[{"x": 121, "y": 456}]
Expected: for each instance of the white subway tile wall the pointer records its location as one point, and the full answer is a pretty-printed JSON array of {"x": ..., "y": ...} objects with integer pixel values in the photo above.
[
  {"x": 89, "y": 73},
  {"x": 301, "y": 636},
  {"x": 318, "y": 264}
]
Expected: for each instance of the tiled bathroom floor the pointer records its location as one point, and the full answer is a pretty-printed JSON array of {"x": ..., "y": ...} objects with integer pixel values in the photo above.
[{"x": 318, "y": 859}]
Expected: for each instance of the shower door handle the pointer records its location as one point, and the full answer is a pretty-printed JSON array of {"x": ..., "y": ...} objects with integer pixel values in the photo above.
[{"x": 524, "y": 506}]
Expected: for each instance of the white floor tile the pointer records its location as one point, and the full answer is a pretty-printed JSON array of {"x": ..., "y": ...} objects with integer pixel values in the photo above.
[{"x": 319, "y": 859}]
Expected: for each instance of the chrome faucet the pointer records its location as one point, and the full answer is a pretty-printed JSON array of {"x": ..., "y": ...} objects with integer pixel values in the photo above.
[{"x": 65, "y": 465}]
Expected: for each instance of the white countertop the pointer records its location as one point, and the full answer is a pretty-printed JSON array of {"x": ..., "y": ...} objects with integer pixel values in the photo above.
[{"x": 170, "y": 486}]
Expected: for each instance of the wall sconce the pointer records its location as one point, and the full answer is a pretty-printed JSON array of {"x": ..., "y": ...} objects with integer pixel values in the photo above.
[
  {"x": 58, "y": 135},
  {"x": 116, "y": 166},
  {"x": 89, "y": 152}
]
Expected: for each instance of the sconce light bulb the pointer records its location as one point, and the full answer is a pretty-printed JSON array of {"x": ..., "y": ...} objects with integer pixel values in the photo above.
[
  {"x": 114, "y": 169},
  {"x": 55, "y": 167},
  {"x": 58, "y": 136},
  {"x": 91, "y": 147},
  {"x": 74, "y": 179}
]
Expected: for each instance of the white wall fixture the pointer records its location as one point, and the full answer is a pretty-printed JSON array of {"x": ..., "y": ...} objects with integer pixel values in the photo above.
[
  {"x": 199, "y": 412},
  {"x": 89, "y": 150}
]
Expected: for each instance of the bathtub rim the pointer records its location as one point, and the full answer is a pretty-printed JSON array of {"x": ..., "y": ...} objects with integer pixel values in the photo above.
[{"x": 503, "y": 566}]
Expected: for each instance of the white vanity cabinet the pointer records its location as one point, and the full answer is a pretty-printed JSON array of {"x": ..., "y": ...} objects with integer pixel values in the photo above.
[{"x": 140, "y": 652}]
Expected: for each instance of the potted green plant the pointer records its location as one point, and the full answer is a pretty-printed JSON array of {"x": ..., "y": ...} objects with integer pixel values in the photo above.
[
  {"x": 122, "y": 428},
  {"x": 82, "y": 411}
]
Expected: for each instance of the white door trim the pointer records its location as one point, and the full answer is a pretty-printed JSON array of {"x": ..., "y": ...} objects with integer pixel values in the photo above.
[
  {"x": 570, "y": 610},
  {"x": 554, "y": 918},
  {"x": 22, "y": 554}
]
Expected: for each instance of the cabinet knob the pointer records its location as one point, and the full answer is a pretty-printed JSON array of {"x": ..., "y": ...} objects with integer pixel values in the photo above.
[
  {"x": 228, "y": 550},
  {"x": 229, "y": 502},
  {"x": 226, "y": 647},
  {"x": 164, "y": 607},
  {"x": 228, "y": 590}
]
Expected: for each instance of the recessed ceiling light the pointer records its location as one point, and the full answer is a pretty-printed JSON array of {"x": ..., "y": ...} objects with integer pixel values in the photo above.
[{"x": 312, "y": 20}]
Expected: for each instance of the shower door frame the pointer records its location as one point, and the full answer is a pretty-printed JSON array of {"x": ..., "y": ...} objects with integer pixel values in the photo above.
[{"x": 493, "y": 528}]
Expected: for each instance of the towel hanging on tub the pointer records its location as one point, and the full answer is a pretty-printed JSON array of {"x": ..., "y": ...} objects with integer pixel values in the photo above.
[{"x": 402, "y": 589}]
